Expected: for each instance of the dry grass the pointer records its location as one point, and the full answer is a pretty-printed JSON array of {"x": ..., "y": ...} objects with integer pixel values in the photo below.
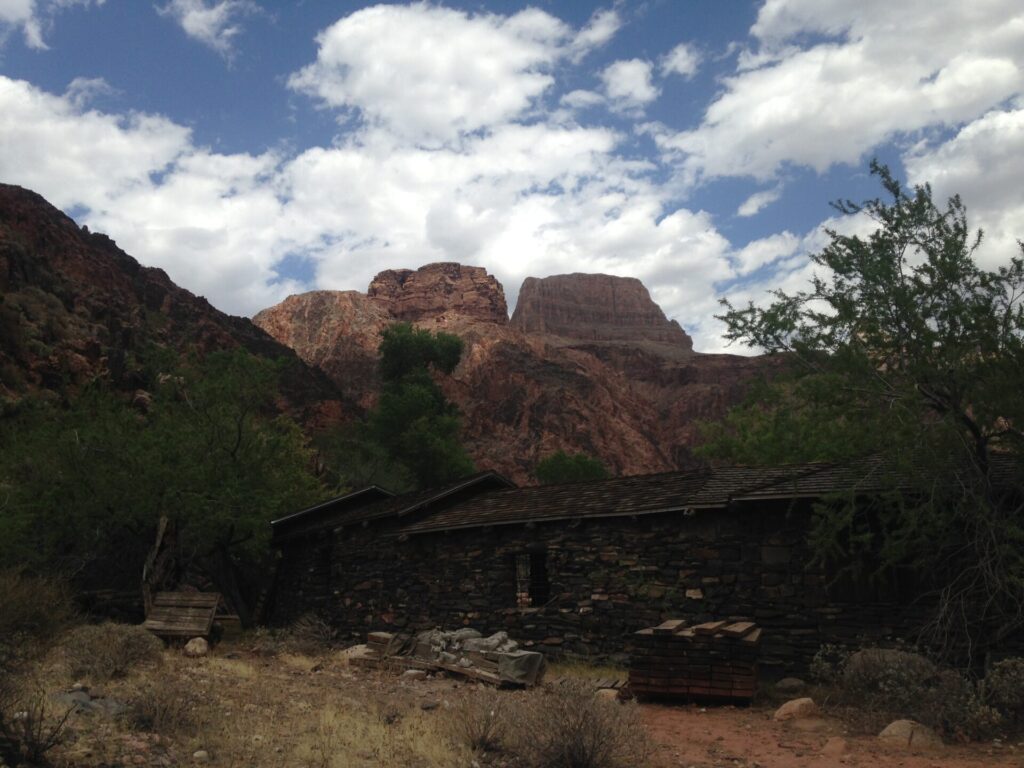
[
  {"x": 317, "y": 712},
  {"x": 348, "y": 735},
  {"x": 578, "y": 669}
]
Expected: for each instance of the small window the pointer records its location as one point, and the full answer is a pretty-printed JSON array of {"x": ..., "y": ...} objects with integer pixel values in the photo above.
[{"x": 532, "y": 587}]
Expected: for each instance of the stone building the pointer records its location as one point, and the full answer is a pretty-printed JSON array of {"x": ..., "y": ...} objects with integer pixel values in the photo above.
[{"x": 579, "y": 567}]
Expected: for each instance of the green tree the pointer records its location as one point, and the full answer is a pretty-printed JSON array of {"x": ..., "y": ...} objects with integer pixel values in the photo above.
[
  {"x": 414, "y": 425},
  {"x": 904, "y": 347},
  {"x": 82, "y": 487},
  {"x": 561, "y": 467}
]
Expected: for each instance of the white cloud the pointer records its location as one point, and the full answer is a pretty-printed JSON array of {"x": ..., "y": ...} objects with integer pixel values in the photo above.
[
  {"x": 34, "y": 17},
  {"x": 518, "y": 199},
  {"x": 984, "y": 164},
  {"x": 599, "y": 30},
  {"x": 765, "y": 251},
  {"x": 758, "y": 201},
  {"x": 581, "y": 99},
  {"x": 429, "y": 73},
  {"x": 82, "y": 90},
  {"x": 682, "y": 60},
  {"x": 884, "y": 70},
  {"x": 628, "y": 84},
  {"x": 214, "y": 24}
]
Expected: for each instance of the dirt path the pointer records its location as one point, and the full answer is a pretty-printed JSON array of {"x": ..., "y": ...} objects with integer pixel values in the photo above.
[{"x": 727, "y": 737}]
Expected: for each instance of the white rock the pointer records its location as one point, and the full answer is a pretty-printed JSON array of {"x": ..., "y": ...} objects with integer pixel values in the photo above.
[
  {"x": 796, "y": 708},
  {"x": 201, "y": 756},
  {"x": 197, "y": 646},
  {"x": 834, "y": 747},
  {"x": 909, "y": 734}
]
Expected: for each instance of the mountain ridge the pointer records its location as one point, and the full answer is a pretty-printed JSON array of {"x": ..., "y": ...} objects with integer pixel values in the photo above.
[{"x": 587, "y": 363}]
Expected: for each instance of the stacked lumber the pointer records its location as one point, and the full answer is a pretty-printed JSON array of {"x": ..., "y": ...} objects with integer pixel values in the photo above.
[{"x": 715, "y": 660}]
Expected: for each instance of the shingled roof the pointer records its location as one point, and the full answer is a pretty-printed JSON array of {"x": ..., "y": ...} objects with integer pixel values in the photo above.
[
  {"x": 375, "y": 503},
  {"x": 638, "y": 494},
  {"x": 326, "y": 512},
  {"x": 713, "y": 488}
]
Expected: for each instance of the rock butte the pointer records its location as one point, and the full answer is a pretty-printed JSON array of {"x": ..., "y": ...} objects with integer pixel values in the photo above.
[{"x": 587, "y": 363}]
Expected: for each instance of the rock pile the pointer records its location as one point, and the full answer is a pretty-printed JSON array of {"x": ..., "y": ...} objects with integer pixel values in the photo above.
[{"x": 496, "y": 659}]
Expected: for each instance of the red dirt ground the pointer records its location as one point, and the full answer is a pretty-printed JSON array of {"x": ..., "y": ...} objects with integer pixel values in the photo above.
[{"x": 728, "y": 737}]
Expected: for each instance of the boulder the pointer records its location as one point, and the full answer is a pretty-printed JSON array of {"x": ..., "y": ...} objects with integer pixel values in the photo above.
[
  {"x": 796, "y": 709},
  {"x": 834, "y": 746},
  {"x": 909, "y": 734},
  {"x": 196, "y": 647}
]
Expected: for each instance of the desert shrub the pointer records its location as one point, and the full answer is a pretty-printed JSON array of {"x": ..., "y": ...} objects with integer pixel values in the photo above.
[
  {"x": 569, "y": 725},
  {"x": 165, "y": 704},
  {"x": 480, "y": 721},
  {"x": 891, "y": 678},
  {"x": 105, "y": 651},
  {"x": 1004, "y": 690},
  {"x": 878, "y": 685},
  {"x": 27, "y": 730},
  {"x": 311, "y": 634},
  {"x": 33, "y": 613},
  {"x": 828, "y": 664}
]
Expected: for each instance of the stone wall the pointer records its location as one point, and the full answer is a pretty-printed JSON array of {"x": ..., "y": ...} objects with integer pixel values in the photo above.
[{"x": 608, "y": 578}]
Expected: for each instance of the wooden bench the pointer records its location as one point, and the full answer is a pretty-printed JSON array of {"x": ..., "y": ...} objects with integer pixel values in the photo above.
[{"x": 182, "y": 614}]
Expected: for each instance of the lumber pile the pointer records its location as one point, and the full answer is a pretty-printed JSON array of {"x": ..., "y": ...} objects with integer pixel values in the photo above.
[{"x": 715, "y": 660}]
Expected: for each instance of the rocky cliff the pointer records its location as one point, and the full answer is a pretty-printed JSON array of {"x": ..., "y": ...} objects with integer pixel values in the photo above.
[
  {"x": 438, "y": 290},
  {"x": 588, "y": 363},
  {"x": 595, "y": 308},
  {"x": 74, "y": 307}
]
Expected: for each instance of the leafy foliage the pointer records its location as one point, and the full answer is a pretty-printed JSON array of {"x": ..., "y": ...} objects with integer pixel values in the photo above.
[
  {"x": 411, "y": 439},
  {"x": 905, "y": 348},
  {"x": 83, "y": 486},
  {"x": 561, "y": 467}
]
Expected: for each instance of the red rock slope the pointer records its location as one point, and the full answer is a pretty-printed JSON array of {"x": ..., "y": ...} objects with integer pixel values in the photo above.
[
  {"x": 74, "y": 306},
  {"x": 587, "y": 363}
]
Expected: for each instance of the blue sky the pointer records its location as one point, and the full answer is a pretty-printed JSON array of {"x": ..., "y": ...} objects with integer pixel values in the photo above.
[{"x": 256, "y": 149}]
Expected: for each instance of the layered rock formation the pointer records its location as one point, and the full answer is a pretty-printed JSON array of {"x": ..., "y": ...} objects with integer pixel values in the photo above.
[
  {"x": 440, "y": 289},
  {"x": 597, "y": 308},
  {"x": 74, "y": 306},
  {"x": 588, "y": 363}
]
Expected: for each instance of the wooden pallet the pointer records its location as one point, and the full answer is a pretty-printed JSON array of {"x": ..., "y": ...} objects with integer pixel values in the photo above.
[{"x": 182, "y": 614}]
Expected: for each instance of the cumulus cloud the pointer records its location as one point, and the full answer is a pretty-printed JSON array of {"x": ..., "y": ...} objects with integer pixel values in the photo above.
[
  {"x": 430, "y": 73},
  {"x": 214, "y": 24},
  {"x": 682, "y": 60},
  {"x": 83, "y": 90},
  {"x": 883, "y": 70},
  {"x": 628, "y": 84},
  {"x": 599, "y": 30},
  {"x": 34, "y": 18},
  {"x": 984, "y": 164},
  {"x": 758, "y": 202}
]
